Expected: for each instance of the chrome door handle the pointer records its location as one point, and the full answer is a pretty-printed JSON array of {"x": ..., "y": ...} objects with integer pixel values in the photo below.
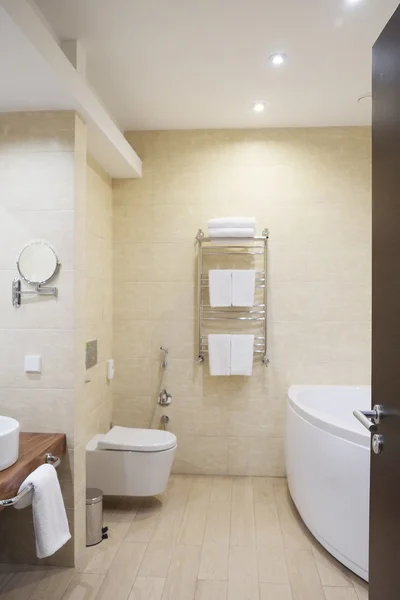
[{"x": 370, "y": 418}]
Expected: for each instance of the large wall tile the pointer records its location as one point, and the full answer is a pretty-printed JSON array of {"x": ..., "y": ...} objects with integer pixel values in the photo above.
[
  {"x": 133, "y": 376},
  {"x": 178, "y": 222},
  {"x": 257, "y": 417},
  {"x": 41, "y": 410},
  {"x": 47, "y": 183},
  {"x": 201, "y": 454},
  {"x": 41, "y": 131},
  {"x": 132, "y": 261},
  {"x": 171, "y": 301},
  {"x": 322, "y": 341},
  {"x": 132, "y": 300},
  {"x": 319, "y": 301},
  {"x": 133, "y": 223},
  {"x": 57, "y": 351},
  {"x": 133, "y": 191},
  {"x": 134, "y": 411},
  {"x": 306, "y": 259},
  {"x": 132, "y": 339},
  {"x": 173, "y": 262},
  {"x": 256, "y": 456}
]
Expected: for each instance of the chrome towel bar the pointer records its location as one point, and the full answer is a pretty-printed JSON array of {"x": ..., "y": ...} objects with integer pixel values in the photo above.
[{"x": 50, "y": 460}]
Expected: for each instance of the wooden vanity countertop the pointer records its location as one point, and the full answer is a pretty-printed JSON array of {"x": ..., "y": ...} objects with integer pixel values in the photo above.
[{"x": 33, "y": 448}]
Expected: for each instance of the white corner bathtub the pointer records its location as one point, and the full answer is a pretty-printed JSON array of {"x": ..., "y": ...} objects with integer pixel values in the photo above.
[{"x": 327, "y": 463}]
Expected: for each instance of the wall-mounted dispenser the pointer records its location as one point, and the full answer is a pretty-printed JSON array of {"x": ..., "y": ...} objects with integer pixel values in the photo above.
[
  {"x": 37, "y": 265},
  {"x": 110, "y": 369}
]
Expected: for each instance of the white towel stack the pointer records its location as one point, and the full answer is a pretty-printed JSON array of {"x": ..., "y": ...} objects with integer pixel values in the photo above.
[
  {"x": 231, "y": 287},
  {"x": 231, "y": 354},
  {"x": 49, "y": 516},
  {"x": 234, "y": 227}
]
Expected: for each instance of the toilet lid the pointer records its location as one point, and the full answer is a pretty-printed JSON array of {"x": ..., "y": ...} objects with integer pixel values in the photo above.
[{"x": 141, "y": 440}]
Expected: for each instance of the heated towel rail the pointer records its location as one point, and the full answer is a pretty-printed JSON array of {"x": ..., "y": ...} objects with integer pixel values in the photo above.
[{"x": 257, "y": 314}]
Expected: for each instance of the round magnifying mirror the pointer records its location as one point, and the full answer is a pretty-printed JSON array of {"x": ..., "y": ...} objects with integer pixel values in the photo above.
[{"x": 38, "y": 263}]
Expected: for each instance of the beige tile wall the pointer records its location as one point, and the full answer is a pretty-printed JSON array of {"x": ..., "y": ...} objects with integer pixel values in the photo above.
[
  {"x": 94, "y": 302},
  {"x": 43, "y": 195},
  {"x": 98, "y": 303},
  {"x": 311, "y": 188}
]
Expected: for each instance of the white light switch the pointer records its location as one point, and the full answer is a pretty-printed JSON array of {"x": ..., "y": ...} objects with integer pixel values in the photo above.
[{"x": 33, "y": 363}]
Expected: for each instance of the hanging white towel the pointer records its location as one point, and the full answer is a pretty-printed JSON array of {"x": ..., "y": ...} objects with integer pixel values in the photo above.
[
  {"x": 232, "y": 232},
  {"x": 49, "y": 517},
  {"x": 242, "y": 353},
  {"x": 243, "y": 287},
  {"x": 220, "y": 287},
  {"x": 219, "y": 353},
  {"x": 232, "y": 222}
]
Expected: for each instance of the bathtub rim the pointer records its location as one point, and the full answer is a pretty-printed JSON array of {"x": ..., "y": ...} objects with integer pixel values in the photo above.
[{"x": 323, "y": 420}]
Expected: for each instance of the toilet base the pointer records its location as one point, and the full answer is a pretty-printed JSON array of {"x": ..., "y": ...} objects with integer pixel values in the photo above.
[{"x": 127, "y": 473}]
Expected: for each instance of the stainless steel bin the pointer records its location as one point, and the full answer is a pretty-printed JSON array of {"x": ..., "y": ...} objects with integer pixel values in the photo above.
[{"x": 94, "y": 516}]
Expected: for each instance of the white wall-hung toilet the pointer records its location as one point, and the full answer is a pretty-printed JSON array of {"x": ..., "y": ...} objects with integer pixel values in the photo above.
[{"x": 130, "y": 462}]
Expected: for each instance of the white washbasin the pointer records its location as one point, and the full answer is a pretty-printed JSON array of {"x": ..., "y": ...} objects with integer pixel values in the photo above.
[{"x": 9, "y": 442}]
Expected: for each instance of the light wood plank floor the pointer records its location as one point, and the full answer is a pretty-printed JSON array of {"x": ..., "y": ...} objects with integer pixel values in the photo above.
[{"x": 206, "y": 538}]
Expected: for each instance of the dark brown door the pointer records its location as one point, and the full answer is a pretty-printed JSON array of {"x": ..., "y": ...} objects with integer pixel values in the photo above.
[{"x": 385, "y": 467}]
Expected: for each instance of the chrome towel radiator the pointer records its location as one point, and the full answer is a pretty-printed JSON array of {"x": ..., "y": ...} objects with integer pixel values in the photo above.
[
  {"x": 51, "y": 460},
  {"x": 257, "y": 314}
]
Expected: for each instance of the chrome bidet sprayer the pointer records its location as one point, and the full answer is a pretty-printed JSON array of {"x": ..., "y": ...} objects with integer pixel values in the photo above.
[
  {"x": 164, "y": 363},
  {"x": 164, "y": 398}
]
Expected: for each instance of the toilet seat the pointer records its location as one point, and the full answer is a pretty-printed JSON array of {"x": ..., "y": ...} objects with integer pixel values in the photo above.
[{"x": 137, "y": 440}]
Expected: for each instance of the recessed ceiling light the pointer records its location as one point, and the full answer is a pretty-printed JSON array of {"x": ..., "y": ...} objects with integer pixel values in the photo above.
[
  {"x": 278, "y": 58},
  {"x": 258, "y": 107},
  {"x": 353, "y": 1}
]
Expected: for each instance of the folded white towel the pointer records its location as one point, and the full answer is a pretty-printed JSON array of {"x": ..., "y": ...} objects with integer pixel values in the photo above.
[
  {"x": 220, "y": 287},
  {"x": 219, "y": 353},
  {"x": 242, "y": 353},
  {"x": 49, "y": 517},
  {"x": 232, "y": 232},
  {"x": 243, "y": 287},
  {"x": 235, "y": 222}
]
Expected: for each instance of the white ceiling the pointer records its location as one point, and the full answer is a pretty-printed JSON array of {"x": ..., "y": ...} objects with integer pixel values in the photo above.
[
  {"x": 27, "y": 83},
  {"x": 202, "y": 63}
]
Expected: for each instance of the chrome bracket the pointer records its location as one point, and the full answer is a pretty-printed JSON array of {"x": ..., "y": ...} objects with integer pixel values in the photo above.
[
  {"x": 39, "y": 290},
  {"x": 165, "y": 398}
]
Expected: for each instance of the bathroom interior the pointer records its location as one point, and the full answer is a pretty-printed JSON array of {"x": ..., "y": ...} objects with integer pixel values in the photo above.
[{"x": 185, "y": 293}]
